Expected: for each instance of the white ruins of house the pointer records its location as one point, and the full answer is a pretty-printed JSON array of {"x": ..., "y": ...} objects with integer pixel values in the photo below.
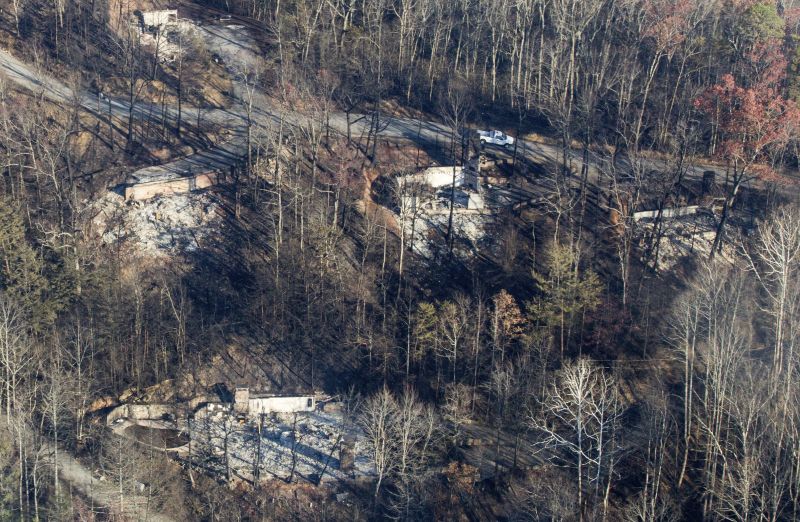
[
  {"x": 668, "y": 213},
  {"x": 246, "y": 404},
  {"x": 468, "y": 193},
  {"x": 159, "y": 19}
]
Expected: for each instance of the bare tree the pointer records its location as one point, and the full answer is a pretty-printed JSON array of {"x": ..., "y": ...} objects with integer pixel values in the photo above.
[
  {"x": 378, "y": 418},
  {"x": 684, "y": 335},
  {"x": 415, "y": 428},
  {"x": 579, "y": 416},
  {"x": 456, "y": 107},
  {"x": 116, "y": 462},
  {"x": 15, "y": 351},
  {"x": 400, "y": 435},
  {"x": 655, "y": 501},
  {"x": 775, "y": 260},
  {"x": 501, "y": 387},
  {"x": 452, "y": 325}
]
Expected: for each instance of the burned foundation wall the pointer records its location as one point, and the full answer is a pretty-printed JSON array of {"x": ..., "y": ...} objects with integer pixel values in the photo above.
[
  {"x": 141, "y": 412},
  {"x": 151, "y": 189},
  {"x": 159, "y": 18},
  {"x": 260, "y": 405}
]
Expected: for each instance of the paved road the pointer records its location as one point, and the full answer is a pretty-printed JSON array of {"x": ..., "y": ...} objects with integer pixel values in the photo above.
[
  {"x": 216, "y": 158},
  {"x": 239, "y": 52}
]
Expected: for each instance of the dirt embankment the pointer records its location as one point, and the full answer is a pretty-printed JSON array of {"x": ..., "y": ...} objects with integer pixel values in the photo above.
[{"x": 395, "y": 158}]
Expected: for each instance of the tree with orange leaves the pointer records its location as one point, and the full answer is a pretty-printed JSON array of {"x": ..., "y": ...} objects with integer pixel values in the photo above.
[
  {"x": 754, "y": 123},
  {"x": 507, "y": 323}
]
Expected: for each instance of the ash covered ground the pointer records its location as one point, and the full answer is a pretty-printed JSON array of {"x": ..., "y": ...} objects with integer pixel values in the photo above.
[{"x": 313, "y": 444}]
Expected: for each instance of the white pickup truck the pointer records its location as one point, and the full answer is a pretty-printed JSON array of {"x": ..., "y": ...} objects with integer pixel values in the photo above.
[{"x": 496, "y": 137}]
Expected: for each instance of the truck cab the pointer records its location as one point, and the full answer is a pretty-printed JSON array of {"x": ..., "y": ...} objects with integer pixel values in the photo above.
[{"x": 496, "y": 137}]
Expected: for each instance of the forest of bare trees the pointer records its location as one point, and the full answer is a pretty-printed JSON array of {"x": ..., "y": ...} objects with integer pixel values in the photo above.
[{"x": 558, "y": 374}]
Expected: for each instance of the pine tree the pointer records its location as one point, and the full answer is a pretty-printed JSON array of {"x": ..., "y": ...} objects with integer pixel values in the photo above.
[
  {"x": 564, "y": 291},
  {"x": 21, "y": 268}
]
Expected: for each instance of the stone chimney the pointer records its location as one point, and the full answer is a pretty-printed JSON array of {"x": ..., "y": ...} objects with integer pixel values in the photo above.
[{"x": 241, "y": 400}]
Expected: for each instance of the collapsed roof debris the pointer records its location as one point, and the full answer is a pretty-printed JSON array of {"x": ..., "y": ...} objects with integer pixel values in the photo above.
[{"x": 161, "y": 226}]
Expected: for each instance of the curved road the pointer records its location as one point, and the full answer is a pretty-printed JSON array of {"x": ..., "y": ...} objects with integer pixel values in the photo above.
[
  {"x": 229, "y": 153},
  {"x": 240, "y": 53}
]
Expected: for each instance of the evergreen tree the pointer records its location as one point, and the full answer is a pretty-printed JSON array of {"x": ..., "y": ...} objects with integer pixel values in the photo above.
[
  {"x": 564, "y": 291},
  {"x": 21, "y": 268}
]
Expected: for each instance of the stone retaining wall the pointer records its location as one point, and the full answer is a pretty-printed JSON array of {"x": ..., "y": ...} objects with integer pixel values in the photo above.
[
  {"x": 150, "y": 189},
  {"x": 141, "y": 412},
  {"x": 667, "y": 212}
]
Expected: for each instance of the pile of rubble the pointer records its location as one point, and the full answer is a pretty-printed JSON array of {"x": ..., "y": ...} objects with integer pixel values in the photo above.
[
  {"x": 427, "y": 233},
  {"x": 161, "y": 226},
  {"x": 424, "y": 200},
  {"x": 681, "y": 237}
]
